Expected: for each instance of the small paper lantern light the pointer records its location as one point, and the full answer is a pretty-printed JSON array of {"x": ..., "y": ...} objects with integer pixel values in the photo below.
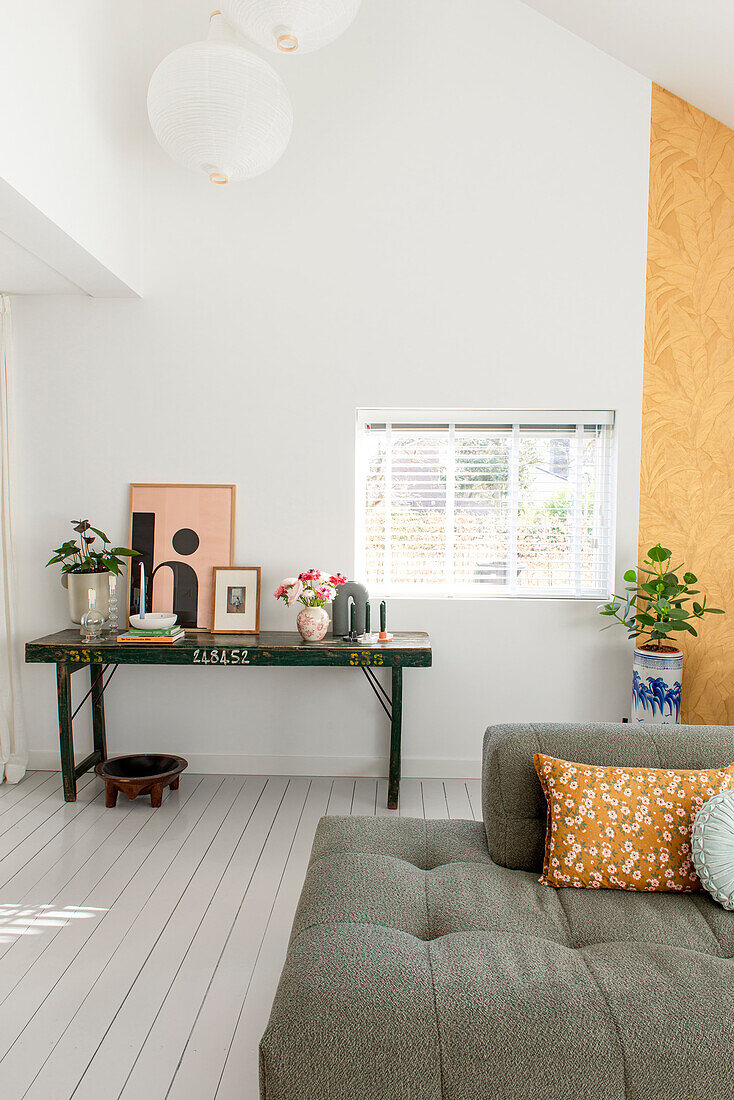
[
  {"x": 219, "y": 109},
  {"x": 291, "y": 25}
]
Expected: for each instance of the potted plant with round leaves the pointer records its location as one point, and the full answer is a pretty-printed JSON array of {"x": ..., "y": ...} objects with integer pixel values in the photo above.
[
  {"x": 87, "y": 565},
  {"x": 659, "y": 608}
]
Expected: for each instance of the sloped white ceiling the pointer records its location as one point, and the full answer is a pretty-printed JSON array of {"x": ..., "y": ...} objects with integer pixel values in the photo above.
[
  {"x": 23, "y": 273},
  {"x": 687, "y": 46}
]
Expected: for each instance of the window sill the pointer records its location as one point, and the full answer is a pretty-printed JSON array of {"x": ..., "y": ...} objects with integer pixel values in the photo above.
[{"x": 385, "y": 594}]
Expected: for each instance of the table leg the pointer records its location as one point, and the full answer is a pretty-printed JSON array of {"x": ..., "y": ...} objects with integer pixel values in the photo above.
[
  {"x": 98, "y": 723},
  {"x": 396, "y": 728},
  {"x": 66, "y": 741}
]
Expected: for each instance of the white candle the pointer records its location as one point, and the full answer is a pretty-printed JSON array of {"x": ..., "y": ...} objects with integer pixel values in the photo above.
[{"x": 142, "y": 591}]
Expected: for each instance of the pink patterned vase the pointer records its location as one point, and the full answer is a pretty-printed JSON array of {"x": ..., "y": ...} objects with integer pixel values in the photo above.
[{"x": 312, "y": 622}]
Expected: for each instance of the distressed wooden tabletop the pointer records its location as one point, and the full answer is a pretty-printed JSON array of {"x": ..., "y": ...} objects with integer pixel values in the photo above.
[{"x": 411, "y": 649}]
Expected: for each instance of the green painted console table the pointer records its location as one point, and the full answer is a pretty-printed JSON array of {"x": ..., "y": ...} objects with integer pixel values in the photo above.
[{"x": 199, "y": 648}]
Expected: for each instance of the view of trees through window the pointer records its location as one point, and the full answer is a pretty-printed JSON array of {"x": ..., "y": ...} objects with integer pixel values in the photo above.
[{"x": 461, "y": 508}]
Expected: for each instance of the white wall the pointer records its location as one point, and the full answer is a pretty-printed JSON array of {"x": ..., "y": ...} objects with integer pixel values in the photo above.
[{"x": 460, "y": 220}]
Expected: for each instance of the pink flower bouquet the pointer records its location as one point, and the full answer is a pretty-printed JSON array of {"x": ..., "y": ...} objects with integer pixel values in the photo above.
[{"x": 312, "y": 588}]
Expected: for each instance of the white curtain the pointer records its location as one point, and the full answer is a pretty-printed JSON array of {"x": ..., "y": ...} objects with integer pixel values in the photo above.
[{"x": 13, "y": 750}]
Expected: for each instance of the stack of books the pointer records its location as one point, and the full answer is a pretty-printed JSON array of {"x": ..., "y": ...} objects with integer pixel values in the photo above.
[{"x": 159, "y": 636}]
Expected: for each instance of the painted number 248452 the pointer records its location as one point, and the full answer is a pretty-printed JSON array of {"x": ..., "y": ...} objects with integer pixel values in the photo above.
[{"x": 220, "y": 657}]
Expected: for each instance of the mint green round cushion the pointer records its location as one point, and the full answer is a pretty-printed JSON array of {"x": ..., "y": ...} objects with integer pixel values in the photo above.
[{"x": 712, "y": 843}]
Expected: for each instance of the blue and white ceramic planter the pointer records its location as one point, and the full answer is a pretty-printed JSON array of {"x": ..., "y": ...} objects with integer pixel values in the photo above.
[{"x": 656, "y": 686}]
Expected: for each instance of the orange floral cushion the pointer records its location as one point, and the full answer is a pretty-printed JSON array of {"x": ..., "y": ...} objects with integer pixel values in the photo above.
[{"x": 622, "y": 828}]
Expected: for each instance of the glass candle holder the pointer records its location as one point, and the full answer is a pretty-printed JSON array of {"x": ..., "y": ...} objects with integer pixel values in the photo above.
[{"x": 112, "y": 621}]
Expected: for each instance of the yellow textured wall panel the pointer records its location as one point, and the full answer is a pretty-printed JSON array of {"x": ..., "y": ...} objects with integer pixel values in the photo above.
[{"x": 687, "y": 474}]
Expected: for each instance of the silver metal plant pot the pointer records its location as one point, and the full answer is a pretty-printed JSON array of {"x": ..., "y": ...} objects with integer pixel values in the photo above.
[{"x": 79, "y": 585}]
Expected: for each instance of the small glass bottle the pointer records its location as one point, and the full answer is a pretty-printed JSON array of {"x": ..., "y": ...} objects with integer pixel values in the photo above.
[{"x": 92, "y": 619}]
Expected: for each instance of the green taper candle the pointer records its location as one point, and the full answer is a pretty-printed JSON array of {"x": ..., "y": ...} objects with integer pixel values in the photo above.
[
  {"x": 383, "y": 616},
  {"x": 367, "y": 617}
]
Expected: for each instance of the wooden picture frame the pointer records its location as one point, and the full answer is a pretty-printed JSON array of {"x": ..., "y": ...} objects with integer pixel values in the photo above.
[
  {"x": 226, "y": 597},
  {"x": 188, "y": 528}
]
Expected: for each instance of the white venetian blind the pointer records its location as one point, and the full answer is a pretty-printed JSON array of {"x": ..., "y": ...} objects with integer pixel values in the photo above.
[{"x": 468, "y": 502}]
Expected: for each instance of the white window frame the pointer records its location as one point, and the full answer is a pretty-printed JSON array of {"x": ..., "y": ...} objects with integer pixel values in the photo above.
[{"x": 494, "y": 418}]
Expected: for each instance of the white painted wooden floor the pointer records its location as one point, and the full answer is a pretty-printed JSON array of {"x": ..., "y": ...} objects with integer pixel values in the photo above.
[{"x": 139, "y": 948}]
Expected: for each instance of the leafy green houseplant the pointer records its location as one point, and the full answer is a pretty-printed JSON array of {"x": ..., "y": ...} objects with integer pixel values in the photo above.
[
  {"x": 81, "y": 557},
  {"x": 88, "y": 565},
  {"x": 660, "y": 607}
]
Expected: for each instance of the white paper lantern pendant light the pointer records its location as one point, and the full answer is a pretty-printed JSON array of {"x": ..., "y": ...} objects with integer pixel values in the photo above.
[
  {"x": 291, "y": 26},
  {"x": 217, "y": 108}
]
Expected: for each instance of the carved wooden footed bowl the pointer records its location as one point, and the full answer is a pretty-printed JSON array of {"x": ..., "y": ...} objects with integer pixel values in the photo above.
[{"x": 140, "y": 773}]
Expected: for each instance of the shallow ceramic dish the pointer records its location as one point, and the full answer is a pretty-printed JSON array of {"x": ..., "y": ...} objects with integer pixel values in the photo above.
[{"x": 154, "y": 620}]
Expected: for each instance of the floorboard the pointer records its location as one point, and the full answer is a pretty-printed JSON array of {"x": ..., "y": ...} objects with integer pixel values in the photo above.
[
  {"x": 457, "y": 799},
  {"x": 365, "y": 795},
  {"x": 474, "y": 790},
  {"x": 16, "y": 792},
  {"x": 411, "y": 798},
  {"x": 55, "y": 835},
  {"x": 434, "y": 799},
  {"x": 15, "y": 820},
  {"x": 342, "y": 796},
  {"x": 140, "y": 950}
]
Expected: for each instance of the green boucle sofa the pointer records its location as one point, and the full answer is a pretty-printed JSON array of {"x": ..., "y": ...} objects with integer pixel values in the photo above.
[{"x": 427, "y": 963}]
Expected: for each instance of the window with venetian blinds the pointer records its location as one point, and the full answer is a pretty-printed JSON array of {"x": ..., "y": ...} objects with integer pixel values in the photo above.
[{"x": 478, "y": 503}]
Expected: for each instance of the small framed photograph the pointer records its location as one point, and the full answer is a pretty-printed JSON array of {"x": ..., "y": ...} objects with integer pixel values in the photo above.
[{"x": 236, "y": 599}]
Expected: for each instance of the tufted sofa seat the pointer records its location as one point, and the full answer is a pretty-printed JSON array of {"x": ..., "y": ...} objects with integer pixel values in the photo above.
[{"x": 420, "y": 969}]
